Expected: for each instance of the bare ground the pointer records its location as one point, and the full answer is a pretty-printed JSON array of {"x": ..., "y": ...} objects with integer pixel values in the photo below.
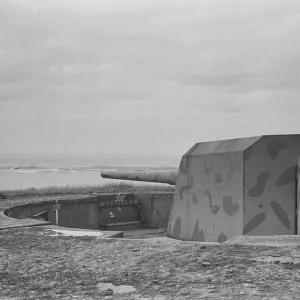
[{"x": 36, "y": 265}]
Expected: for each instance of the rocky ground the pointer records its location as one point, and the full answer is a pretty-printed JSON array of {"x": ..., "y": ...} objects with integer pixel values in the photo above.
[{"x": 36, "y": 265}]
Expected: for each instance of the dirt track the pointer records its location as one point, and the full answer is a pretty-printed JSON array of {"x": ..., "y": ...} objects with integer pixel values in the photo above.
[{"x": 35, "y": 265}]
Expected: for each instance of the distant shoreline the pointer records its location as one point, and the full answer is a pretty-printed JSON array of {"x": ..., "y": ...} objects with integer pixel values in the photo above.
[
  {"x": 31, "y": 180},
  {"x": 84, "y": 168}
]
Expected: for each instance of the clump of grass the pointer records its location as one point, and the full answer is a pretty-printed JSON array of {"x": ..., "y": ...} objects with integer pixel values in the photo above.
[{"x": 85, "y": 189}]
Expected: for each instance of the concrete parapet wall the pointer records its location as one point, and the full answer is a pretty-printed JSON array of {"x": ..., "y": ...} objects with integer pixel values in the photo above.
[
  {"x": 83, "y": 212},
  {"x": 73, "y": 213},
  {"x": 156, "y": 207}
]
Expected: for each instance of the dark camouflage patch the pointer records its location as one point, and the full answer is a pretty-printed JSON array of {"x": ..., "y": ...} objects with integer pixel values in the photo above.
[
  {"x": 229, "y": 207},
  {"x": 222, "y": 238},
  {"x": 281, "y": 214},
  {"x": 254, "y": 222},
  {"x": 260, "y": 186},
  {"x": 274, "y": 147},
  {"x": 213, "y": 208},
  {"x": 218, "y": 178},
  {"x": 185, "y": 188},
  {"x": 287, "y": 177},
  {"x": 197, "y": 234}
]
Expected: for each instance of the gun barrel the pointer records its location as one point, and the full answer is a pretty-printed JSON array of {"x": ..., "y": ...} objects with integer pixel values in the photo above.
[{"x": 169, "y": 177}]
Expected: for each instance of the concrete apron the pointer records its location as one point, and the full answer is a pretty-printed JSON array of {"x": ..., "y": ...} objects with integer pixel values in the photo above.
[
  {"x": 57, "y": 231},
  {"x": 273, "y": 241}
]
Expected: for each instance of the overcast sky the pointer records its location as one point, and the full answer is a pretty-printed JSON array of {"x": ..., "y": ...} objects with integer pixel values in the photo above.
[{"x": 139, "y": 76}]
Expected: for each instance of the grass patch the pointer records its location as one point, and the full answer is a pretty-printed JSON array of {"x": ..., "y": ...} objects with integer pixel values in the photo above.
[{"x": 86, "y": 189}]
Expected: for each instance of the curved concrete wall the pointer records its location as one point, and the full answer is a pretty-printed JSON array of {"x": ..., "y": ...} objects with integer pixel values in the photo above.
[{"x": 84, "y": 212}]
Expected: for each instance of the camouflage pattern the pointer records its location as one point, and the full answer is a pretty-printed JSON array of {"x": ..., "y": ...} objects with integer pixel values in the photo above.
[
  {"x": 244, "y": 186},
  {"x": 270, "y": 186},
  {"x": 169, "y": 177}
]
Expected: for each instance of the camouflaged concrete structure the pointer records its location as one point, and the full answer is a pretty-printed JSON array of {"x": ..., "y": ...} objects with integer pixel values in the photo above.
[{"x": 235, "y": 187}]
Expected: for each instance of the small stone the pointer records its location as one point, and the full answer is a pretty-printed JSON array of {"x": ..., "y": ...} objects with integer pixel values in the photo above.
[
  {"x": 248, "y": 281},
  {"x": 58, "y": 291},
  {"x": 184, "y": 293},
  {"x": 104, "y": 279},
  {"x": 108, "y": 292},
  {"x": 165, "y": 275},
  {"x": 205, "y": 264},
  {"x": 203, "y": 247},
  {"x": 105, "y": 288},
  {"x": 124, "y": 289},
  {"x": 135, "y": 250},
  {"x": 170, "y": 284}
]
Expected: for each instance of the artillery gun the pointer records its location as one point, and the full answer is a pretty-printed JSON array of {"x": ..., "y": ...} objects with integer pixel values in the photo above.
[
  {"x": 169, "y": 177},
  {"x": 137, "y": 209},
  {"x": 227, "y": 188}
]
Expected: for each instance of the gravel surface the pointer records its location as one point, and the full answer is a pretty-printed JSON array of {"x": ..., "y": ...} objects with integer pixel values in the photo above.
[{"x": 36, "y": 265}]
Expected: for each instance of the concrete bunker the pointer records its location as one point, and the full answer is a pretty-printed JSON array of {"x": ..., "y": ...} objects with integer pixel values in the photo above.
[{"x": 245, "y": 186}]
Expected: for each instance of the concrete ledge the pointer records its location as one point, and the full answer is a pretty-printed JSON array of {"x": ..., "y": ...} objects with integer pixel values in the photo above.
[
  {"x": 7, "y": 222},
  {"x": 84, "y": 232},
  {"x": 273, "y": 241}
]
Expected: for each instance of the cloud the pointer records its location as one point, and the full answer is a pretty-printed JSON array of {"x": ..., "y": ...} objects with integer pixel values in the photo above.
[
  {"x": 103, "y": 68},
  {"x": 281, "y": 77},
  {"x": 79, "y": 69},
  {"x": 188, "y": 70}
]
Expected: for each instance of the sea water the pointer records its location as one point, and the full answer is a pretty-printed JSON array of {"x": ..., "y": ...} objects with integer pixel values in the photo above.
[
  {"x": 15, "y": 179},
  {"x": 20, "y": 173}
]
